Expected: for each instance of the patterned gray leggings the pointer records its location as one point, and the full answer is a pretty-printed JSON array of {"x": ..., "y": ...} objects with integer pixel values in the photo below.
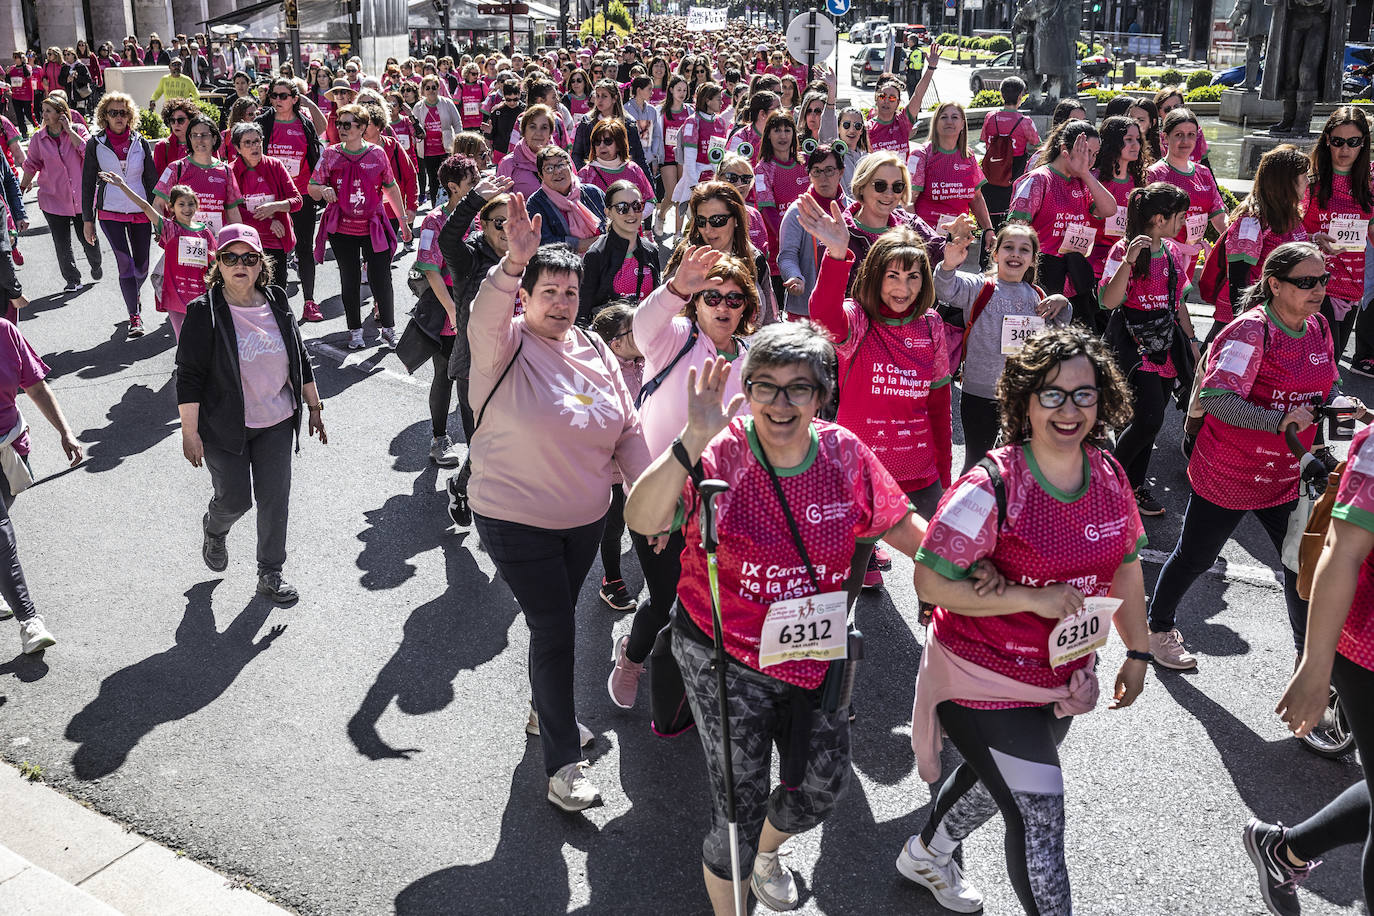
[
  {"x": 1011, "y": 764},
  {"x": 759, "y": 709}
]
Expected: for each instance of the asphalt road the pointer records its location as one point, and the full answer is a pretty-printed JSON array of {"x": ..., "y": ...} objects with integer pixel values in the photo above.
[{"x": 364, "y": 751}]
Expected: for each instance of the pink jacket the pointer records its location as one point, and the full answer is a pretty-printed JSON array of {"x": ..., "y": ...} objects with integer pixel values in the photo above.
[
  {"x": 60, "y": 162},
  {"x": 946, "y": 676}
]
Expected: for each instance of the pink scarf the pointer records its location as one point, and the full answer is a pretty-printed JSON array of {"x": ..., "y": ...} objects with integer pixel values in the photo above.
[{"x": 582, "y": 222}]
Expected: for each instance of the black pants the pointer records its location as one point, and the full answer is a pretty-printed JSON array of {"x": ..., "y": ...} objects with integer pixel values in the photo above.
[
  {"x": 440, "y": 388},
  {"x": 13, "y": 587},
  {"x": 23, "y": 116},
  {"x": 998, "y": 200},
  {"x": 62, "y": 229},
  {"x": 1206, "y": 526},
  {"x": 303, "y": 224},
  {"x": 1340, "y": 330},
  {"x": 277, "y": 258},
  {"x": 1011, "y": 765},
  {"x": 465, "y": 416},
  {"x": 661, "y": 572},
  {"x": 1364, "y": 334},
  {"x": 1138, "y": 440},
  {"x": 1347, "y": 818},
  {"x": 429, "y": 175},
  {"x": 611, "y": 535},
  {"x": 349, "y": 253},
  {"x": 262, "y": 470},
  {"x": 981, "y": 426},
  {"x": 1052, "y": 272},
  {"x": 545, "y": 569}
]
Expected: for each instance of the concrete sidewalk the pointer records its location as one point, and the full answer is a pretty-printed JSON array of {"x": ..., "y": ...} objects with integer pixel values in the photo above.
[{"x": 59, "y": 858}]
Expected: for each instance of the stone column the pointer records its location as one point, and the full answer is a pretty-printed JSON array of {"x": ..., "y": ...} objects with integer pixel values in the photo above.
[
  {"x": 152, "y": 16},
  {"x": 60, "y": 24},
  {"x": 188, "y": 16},
  {"x": 12, "y": 33},
  {"x": 221, "y": 7},
  {"x": 111, "y": 20}
]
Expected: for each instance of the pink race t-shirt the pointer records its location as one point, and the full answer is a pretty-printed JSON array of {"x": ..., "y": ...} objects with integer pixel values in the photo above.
[
  {"x": 1249, "y": 240},
  {"x": 357, "y": 179},
  {"x": 1204, "y": 202},
  {"x": 433, "y": 126},
  {"x": 839, "y": 494},
  {"x": 214, "y": 184},
  {"x": 1355, "y": 504},
  {"x": 20, "y": 367},
  {"x": 1268, "y": 365},
  {"x": 1150, "y": 293},
  {"x": 1347, "y": 267},
  {"x": 1049, "y": 536},
  {"x": 698, "y": 134},
  {"x": 942, "y": 183},
  {"x": 288, "y": 146},
  {"x": 429, "y": 257},
  {"x": 892, "y": 136},
  {"x": 672, "y": 129},
  {"x": 263, "y": 367},
  {"x": 189, "y": 252},
  {"x": 470, "y": 105},
  {"x": 1051, "y": 201},
  {"x": 1110, "y": 230},
  {"x": 603, "y": 176}
]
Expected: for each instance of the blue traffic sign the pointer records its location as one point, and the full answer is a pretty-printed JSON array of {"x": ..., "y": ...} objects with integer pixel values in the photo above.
[{"x": 838, "y": 7}]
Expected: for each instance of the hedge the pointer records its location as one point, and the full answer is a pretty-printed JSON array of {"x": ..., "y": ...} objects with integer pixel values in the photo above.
[
  {"x": 1171, "y": 77},
  {"x": 987, "y": 98},
  {"x": 1204, "y": 94},
  {"x": 999, "y": 43},
  {"x": 1199, "y": 78},
  {"x": 150, "y": 125}
]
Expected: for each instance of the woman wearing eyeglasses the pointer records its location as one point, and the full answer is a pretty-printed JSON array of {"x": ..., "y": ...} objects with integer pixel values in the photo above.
[
  {"x": 270, "y": 197},
  {"x": 469, "y": 97},
  {"x": 177, "y": 116},
  {"x": 210, "y": 177},
  {"x": 610, "y": 161},
  {"x": 243, "y": 380},
  {"x": 351, "y": 180},
  {"x": 291, "y": 135},
  {"x": 817, "y": 120},
  {"x": 718, "y": 216},
  {"x": 891, "y": 126},
  {"x": 988, "y": 678},
  {"x": 735, "y": 170},
  {"x": 623, "y": 261},
  {"x": 798, "y": 251},
  {"x": 573, "y": 212},
  {"x": 1262, "y": 373},
  {"x": 577, "y": 97},
  {"x": 945, "y": 178},
  {"x": 116, "y": 147}
]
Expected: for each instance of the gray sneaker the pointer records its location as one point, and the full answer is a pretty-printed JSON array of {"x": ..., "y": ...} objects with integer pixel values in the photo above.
[
  {"x": 213, "y": 550},
  {"x": 773, "y": 883},
  {"x": 34, "y": 636},
  {"x": 444, "y": 453},
  {"x": 571, "y": 790}
]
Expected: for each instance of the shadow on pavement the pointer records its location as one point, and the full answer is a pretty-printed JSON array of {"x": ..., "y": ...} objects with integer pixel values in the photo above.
[
  {"x": 26, "y": 668},
  {"x": 138, "y": 421},
  {"x": 170, "y": 685},
  {"x": 406, "y": 526},
  {"x": 114, "y": 355}
]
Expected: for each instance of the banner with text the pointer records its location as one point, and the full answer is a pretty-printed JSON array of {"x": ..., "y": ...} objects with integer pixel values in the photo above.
[{"x": 706, "y": 19}]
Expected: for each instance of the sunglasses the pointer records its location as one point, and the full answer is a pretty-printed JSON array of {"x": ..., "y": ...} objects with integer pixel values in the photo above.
[
  {"x": 740, "y": 178},
  {"x": 348, "y": 125},
  {"x": 797, "y": 394},
  {"x": 889, "y": 97},
  {"x": 715, "y": 222},
  {"x": 181, "y": 120},
  {"x": 713, "y": 298},
  {"x": 121, "y": 113},
  {"x": 247, "y": 259},
  {"x": 628, "y": 206},
  {"x": 852, "y": 125},
  {"x": 1308, "y": 282},
  {"x": 499, "y": 224},
  {"x": 1050, "y": 398},
  {"x": 1338, "y": 142},
  {"x": 606, "y": 141},
  {"x": 881, "y": 186},
  {"x": 282, "y": 96}
]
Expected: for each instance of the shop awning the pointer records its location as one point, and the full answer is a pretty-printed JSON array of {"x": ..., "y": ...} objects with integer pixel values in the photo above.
[{"x": 463, "y": 17}]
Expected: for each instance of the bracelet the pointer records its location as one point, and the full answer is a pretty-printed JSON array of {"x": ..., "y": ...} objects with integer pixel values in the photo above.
[
  {"x": 319, "y": 406},
  {"x": 1140, "y": 656},
  {"x": 674, "y": 291}
]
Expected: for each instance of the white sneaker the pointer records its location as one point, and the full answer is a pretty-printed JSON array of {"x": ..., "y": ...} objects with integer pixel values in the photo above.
[
  {"x": 571, "y": 790},
  {"x": 6, "y": 612},
  {"x": 940, "y": 875},
  {"x": 773, "y": 883},
  {"x": 34, "y": 636},
  {"x": 584, "y": 733},
  {"x": 444, "y": 453},
  {"x": 355, "y": 339},
  {"x": 387, "y": 337},
  {"x": 1168, "y": 650}
]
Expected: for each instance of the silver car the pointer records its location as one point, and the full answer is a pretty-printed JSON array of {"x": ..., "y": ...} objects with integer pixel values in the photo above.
[
  {"x": 869, "y": 64},
  {"x": 991, "y": 76}
]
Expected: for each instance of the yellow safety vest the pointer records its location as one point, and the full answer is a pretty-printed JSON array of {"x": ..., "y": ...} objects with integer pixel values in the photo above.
[{"x": 916, "y": 60}]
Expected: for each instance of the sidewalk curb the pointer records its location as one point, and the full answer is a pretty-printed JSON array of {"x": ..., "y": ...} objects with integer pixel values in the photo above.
[{"x": 61, "y": 858}]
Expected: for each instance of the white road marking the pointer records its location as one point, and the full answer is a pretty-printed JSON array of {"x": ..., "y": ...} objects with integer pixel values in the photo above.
[{"x": 356, "y": 360}]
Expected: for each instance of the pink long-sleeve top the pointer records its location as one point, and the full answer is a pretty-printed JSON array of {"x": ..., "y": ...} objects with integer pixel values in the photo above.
[
  {"x": 556, "y": 428},
  {"x": 57, "y": 161}
]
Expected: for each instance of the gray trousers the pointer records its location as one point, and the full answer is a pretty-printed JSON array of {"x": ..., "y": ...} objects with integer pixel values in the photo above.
[
  {"x": 263, "y": 470},
  {"x": 62, "y": 229},
  {"x": 13, "y": 588}
]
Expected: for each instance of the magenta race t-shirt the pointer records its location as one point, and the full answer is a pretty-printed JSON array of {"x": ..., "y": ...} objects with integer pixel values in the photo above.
[
  {"x": 672, "y": 129},
  {"x": 891, "y": 136},
  {"x": 632, "y": 280},
  {"x": 357, "y": 179},
  {"x": 1270, "y": 366},
  {"x": 1347, "y": 267},
  {"x": 698, "y": 133},
  {"x": 1150, "y": 293},
  {"x": 429, "y": 257},
  {"x": 603, "y": 176},
  {"x": 214, "y": 184},
  {"x": 942, "y": 183},
  {"x": 746, "y": 134},
  {"x": 1109, "y": 230},
  {"x": 838, "y": 495},
  {"x": 1204, "y": 202},
  {"x": 470, "y": 105},
  {"x": 433, "y": 126},
  {"x": 1049, "y": 536},
  {"x": 1249, "y": 240},
  {"x": 1050, "y": 201},
  {"x": 288, "y": 146},
  {"x": 579, "y": 105},
  {"x": 263, "y": 367},
  {"x": 1355, "y": 504},
  {"x": 20, "y": 367},
  {"x": 189, "y": 251}
]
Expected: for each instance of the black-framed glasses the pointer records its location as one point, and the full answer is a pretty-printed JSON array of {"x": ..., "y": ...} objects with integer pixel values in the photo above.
[
  {"x": 798, "y": 394},
  {"x": 716, "y": 221},
  {"x": 1308, "y": 282},
  {"x": 231, "y": 258},
  {"x": 881, "y": 186},
  {"x": 713, "y": 298},
  {"x": 628, "y": 206},
  {"x": 826, "y": 172},
  {"x": 1338, "y": 142},
  {"x": 1050, "y": 398},
  {"x": 739, "y": 178},
  {"x": 623, "y": 334},
  {"x": 556, "y": 168},
  {"x": 499, "y": 224},
  {"x": 852, "y": 125}
]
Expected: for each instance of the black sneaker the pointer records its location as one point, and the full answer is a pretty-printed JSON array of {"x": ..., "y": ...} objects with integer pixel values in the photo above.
[
  {"x": 1278, "y": 878},
  {"x": 213, "y": 550},
  {"x": 1146, "y": 503},
  {"x": 616, "y": 595},
  {"x": 1363, "y": 367},
  {"x": 458, "y": 508},
  {"x": 276, "y": 589},
  {"x": 96, "y": 272}
]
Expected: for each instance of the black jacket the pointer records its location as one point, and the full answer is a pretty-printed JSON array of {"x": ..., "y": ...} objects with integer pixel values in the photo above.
[
  {"x": 468, "y": 263},
  {"x": 208, "y": 367},
  {"x": 600, "y": 265},
  {"x": 268, "y": 118}
]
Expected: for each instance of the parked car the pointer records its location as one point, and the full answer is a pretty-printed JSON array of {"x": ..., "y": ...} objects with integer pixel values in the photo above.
[
  {"x": 869, "y": 64},
  {"x": 863, "y": 32},
  {"x": 992, "y": 75},
  {"x": 1358, "y": 56}
]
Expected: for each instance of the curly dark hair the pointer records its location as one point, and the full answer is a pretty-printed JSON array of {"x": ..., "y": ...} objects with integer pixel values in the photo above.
[
  {"x": 1038, "y": 362},
  {"x": 1113, "y": 136},
  {"x": 186, "y": 106},
  {"x": 733, "y": 270}
]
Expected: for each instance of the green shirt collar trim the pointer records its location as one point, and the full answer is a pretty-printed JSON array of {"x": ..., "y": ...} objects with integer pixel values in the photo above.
[
  {"x": 1296, "y": 335},
  {"x": 1061, "y": 495},
  {"x": 757, "y": 449}
]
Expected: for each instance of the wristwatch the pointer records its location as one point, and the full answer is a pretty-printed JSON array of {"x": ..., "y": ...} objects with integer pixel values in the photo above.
[{"x": 319, "y": 406}]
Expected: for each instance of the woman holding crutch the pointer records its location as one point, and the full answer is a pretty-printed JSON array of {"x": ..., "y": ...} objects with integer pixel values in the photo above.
[{"x": 765, "y": 566}]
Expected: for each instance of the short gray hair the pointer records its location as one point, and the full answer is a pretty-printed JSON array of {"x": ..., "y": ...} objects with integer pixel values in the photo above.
[{"x": 790, "y": 343}]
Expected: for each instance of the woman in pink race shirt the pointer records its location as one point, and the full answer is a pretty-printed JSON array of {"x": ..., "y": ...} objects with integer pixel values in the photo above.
[
  {"x": 945, "y": 179},
  {"x": 1054, "y": 512},
  {"x": 212, "y": 179},
  {"x": 57, "y": 154},
  {"x": 1262, "y": 374},
  {"x": 1180, "y": 132}
]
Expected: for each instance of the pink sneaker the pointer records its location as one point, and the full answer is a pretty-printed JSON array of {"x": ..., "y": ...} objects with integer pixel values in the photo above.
[
  {"x": 623, "y": 683},
  {"x": 312, "y": 311},
  {"x": 873, "y": 576},
  {"x": 882, "y": 556}
]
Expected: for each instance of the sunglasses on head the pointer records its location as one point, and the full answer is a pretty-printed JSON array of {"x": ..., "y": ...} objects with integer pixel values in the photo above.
[
  {"x": 881, "y": 186},
  {"x": 1308, "y": 282},
  {"x": 1338, "y": 142},
  {"x": 715, "y": 222},
  {"x": 628, "y": 206},
  {"x": 714, "y": 298},
  {"x": 231, "y": 258}
]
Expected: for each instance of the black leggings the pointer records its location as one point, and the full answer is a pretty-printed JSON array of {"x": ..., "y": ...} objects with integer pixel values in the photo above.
[
  {"x": 661, "y": 572},
  {"x": 981, "y": 426},
  {"x": 1347, "y": 818},
  {"x": 1340, "y": 330},
  {"x": 277, "y": 258},
  {"x": 1052, "y": 273},
  {"x": 1138, "y": 440},
  {"x": 349, "y": 253},
  {"x": 611, "y": 535},
  {"x": 1011, "y": 764},
  {"x": 429, "y": 176},
  {"x": 440, "y": 388},
  {"x": 303, "y": 224},
  {"x": 23, "y": 116}
]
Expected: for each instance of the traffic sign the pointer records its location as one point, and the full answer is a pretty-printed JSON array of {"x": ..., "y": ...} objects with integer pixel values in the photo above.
[
  {"x": 805, "y": 37},
  {"x": 838, "y": 7}
]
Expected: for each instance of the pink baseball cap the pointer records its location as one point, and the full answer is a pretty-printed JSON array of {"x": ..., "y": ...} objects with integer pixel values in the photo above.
[{"x": 239, "y": 232}]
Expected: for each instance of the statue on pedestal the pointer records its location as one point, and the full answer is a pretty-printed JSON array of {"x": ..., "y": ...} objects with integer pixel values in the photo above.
[
  {"x": 1049, "y": 56},
  {"x": 1251, "y": 20},
  {"x": 1306, "y": 48}
]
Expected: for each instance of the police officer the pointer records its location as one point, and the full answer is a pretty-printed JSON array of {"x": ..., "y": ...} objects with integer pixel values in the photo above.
[{"x": 915, "y": 61}]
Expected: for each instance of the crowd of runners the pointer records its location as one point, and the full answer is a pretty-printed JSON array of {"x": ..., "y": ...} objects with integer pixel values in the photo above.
[{"x": 675, "y": 287}]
